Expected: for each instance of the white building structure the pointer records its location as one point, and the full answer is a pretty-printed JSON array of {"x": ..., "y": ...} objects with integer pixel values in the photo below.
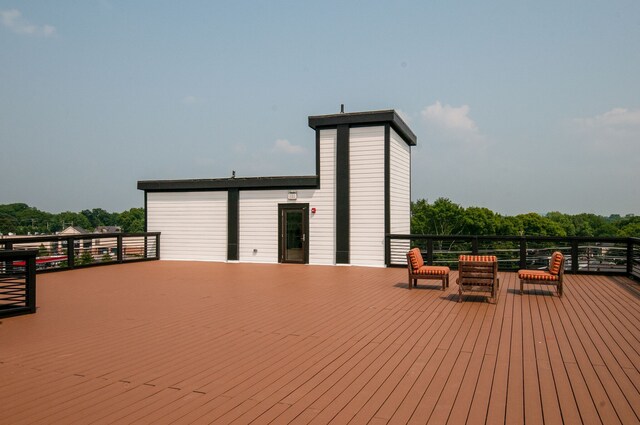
[{"x": 361, "y": 191}]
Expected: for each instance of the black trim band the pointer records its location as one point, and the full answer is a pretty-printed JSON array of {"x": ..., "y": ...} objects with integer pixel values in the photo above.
[
  {"x": 233, "y": 224},
  {"x": 342, "y": 195},
  {"x": 243, "y": 183},
  {"x": 318, "y": 159},
  {"x": 146, "y": 215},
  {"x": 387, "y": 188}
]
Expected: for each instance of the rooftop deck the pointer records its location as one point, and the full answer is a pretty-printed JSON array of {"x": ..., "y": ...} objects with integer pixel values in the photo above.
[{"x": 185, "y": 342}]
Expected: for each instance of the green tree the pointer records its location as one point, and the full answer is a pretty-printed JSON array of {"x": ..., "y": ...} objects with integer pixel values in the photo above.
[
  {"x": 629, "y": 227},
  {"x": 565, "y": 221},
  {"x": 536, "y": 225},
  {"x": 42, "y": 251},
  {"x": 69, "y": 218},
  {"x": 480, "y": 221},
  {"x": 20, "y": 219},
  {"x": 443, "y": 217},
  {"x": 85, "y": 258},
  {"x": 132, "y": 221},
  {"x": 510, "y": 226},
  {"x": 593, "y": 225},
  {"x": 99, "y": 217}
]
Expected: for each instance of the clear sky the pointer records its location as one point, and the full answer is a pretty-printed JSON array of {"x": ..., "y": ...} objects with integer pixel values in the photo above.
[{"x": 518, "y": 106}]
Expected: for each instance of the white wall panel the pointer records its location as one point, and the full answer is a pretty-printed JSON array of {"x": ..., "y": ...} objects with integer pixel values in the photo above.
[
  {"x": 193, "y": 224},
  {"x": 400, "y": 195},
  {"x": 366, "y": 194},
  {"x": 259, "y": 214},
  {"x": 322, "y": 224},
  {"x": 258, "y": 227}
]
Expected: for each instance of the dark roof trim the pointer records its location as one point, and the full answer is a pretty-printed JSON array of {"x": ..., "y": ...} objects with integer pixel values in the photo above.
[
  {"x": 372, "y": 117},
  {"x": 242, "y": 183}
]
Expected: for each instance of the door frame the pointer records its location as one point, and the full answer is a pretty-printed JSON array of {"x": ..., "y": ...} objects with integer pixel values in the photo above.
[{"x": 282, "y": 234}]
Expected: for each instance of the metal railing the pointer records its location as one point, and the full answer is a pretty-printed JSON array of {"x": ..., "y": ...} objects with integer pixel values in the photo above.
[
  {"x": 64, "y": 252},
  {"x": 633, "y": 254},
  {"x": 17, "y": 283},
  {"x": 614, "y": 255}
]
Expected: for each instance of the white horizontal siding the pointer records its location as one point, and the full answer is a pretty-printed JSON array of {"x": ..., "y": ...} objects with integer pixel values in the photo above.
[
  {"x": 366, "y": 196},
  {"x": 258, "y": 230},
  {"x": 193, "y": 224},
  {"x": 258, "y": 227},
  {"x": 400, "y": 195},
  {"x": 322, "y": 224}
]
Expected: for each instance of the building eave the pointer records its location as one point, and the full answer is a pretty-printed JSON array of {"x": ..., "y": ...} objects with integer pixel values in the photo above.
[
  {"x": 241, "y": 183},
  {"x": 389, "y": 116}
]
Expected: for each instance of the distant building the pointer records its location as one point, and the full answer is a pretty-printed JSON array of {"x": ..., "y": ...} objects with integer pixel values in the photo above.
[
  {"x": 108, "y": 229},
  {"x": 73, "y": 230},
  {"x": 361, "y": 191}
]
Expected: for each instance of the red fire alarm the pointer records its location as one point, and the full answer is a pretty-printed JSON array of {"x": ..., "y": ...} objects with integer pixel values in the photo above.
[{"x": 313, "y": 210}]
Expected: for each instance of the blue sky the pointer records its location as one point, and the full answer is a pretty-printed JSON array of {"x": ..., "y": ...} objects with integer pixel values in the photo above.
[{"x": 517, "y": 106}]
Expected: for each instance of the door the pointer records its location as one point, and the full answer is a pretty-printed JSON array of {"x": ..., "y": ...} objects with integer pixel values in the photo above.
[{"x": 294, "y": 240}]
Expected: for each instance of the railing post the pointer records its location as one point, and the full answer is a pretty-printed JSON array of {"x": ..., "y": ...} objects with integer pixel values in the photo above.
[
  {"x": 574, "y": 256},
  {"x": 629, "y": 257},
  {"x": 474, "y": 245},
  {"x": 523, "y": 252},
  {"x": 9, "y": 264},
  {"x": 158, "y": 246},
  {"x": 430, "y": 252},
  {"x": 387, "y": 250},
  {"x": 71, "y": 252},
  {"x": 119, "y": 249},
  {"x": 30, "y": 282}
]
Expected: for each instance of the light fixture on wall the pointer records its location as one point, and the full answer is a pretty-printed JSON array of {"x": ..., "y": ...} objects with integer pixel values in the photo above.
[{"x": 292, "y": 195}]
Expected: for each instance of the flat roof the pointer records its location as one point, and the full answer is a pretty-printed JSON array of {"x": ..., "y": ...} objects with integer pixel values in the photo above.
[{"x": 388, "y": 116}]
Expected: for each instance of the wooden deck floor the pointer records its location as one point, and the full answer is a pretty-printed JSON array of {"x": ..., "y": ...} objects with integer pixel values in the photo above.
[{"x": 181, "y": 342}]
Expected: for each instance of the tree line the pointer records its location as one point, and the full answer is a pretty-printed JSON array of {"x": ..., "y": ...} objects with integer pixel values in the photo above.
[
  {"x": 444, "y": 217},
  {"x": 21, "y": 219}
]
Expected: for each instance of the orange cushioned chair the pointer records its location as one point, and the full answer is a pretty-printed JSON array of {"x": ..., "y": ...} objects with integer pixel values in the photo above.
[
  {"x": 551, "y": 277},
  {"x": 417, "y": 270}
]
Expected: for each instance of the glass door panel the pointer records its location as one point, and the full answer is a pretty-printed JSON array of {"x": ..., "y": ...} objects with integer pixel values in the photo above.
[
  {"x": 293, "y": 228},
  {"x": 294, "y": 236}
]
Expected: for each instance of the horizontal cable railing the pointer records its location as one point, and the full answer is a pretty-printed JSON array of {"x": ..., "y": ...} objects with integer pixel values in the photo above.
[
  {"x": 613, "y": 255},
  {"x": 634, "y": 258},
  {"x": 17, "y": 282},
  {"x": 63, "y": 252}
]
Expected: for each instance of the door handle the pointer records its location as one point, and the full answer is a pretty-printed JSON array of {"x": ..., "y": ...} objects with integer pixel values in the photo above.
[{"x": 304, "y": 237}]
